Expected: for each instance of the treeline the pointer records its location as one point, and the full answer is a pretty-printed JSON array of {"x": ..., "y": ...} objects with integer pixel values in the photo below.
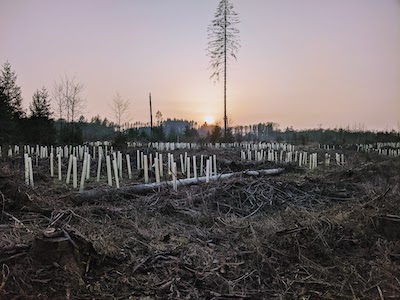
[
  {"x": 39, "y": 127},
  {"x": 271, "y": 132},
  {"x": 65, "y": 124},
  {"x": 339, "y": 136},
  {"x": 15, "y": 126}
]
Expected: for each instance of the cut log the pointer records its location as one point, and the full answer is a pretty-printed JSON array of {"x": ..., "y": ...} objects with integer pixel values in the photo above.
[{"x": 98, "y": 194}]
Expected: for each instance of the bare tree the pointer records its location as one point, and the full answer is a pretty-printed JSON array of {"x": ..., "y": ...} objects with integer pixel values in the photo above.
[
  {"x": 58, "y": 100},
  {"x": 76, "y": 103},
  {"x": 159, "y": 118},
  {"x": 120, "y": 109},
  {"x": 223, "y": 44},
  {"x": 67, "y": 95}
]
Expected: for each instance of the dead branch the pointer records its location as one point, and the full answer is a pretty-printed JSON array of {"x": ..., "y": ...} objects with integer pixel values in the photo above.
[{"x": 97, "y": 194}]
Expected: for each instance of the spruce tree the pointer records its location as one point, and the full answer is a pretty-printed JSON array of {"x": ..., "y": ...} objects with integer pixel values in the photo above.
[
  {"x": 40, "y": 106},
  {"x": 39, "y": 127},
  {"x": 11, "y": 110},
  {"x": 223, "y": 44},
  {"x": 7, "y": 124},
  {"x": 11, "y": 91}
]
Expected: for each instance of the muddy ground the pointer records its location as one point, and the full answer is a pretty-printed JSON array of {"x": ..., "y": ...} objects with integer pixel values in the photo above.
[{"x": 329, "y": 233}]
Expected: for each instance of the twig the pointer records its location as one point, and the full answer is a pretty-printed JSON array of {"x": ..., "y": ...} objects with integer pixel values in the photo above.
[
  {"x": 3, "y": 206},
  {"x": 254, "y": 212},
  {"x": 236, "y": 227},
  {"x": 243, "y": 276},
  {"x": 224, "y": 296},
  {"x": 18, "y": 221},
  {"x": 377, "y": 198},
  {"x": 66, "y": 234},
  {"x": 380, "y": 292},
  {"x": 12, "y": 257},
  {"x": 372, "y": 287},
  {"x": 5, "y": 274},
  {"x": 289, "y": 231}
]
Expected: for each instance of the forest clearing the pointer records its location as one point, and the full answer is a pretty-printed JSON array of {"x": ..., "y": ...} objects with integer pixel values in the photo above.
[
  {"x": 219, "y": 150},
  {"x": 331, "y": 232}
]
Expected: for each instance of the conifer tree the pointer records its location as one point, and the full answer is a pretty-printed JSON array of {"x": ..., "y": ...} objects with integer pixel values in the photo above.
[
  {"x": 223, "y": 44},
  {"x": 40, "y": 106},
  {"x": 11, "y": 110},
  {"x": 11, "y": 91},
  {"x": 7, "y": 123},
  {"x": 39, "y": 127}
]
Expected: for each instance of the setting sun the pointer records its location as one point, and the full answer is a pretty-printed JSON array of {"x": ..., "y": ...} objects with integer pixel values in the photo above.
[{"x": 209, "y": 120}]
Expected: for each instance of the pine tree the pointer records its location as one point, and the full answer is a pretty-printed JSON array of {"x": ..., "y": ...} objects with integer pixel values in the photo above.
[
  {"x": 39, "y": 128},
  {"x": 40, "y": 106},
  {"x": 223, "y": 44},
  {"x": 7, "y": 124},
  {"x": 10, "y": 105},
  {"x": 216, "y": 134},
  {"x": 11, "y": 91}
]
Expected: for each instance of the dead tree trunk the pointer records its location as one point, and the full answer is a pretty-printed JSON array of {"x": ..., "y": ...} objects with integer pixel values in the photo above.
[{"x": 98, "y": 194}]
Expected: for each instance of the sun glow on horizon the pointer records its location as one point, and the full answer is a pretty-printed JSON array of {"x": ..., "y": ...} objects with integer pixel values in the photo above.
[{"x": 209, "y": 119}]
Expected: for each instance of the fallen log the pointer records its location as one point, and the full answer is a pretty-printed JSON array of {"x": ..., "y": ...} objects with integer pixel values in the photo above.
[{"x": 97, "y": 194}]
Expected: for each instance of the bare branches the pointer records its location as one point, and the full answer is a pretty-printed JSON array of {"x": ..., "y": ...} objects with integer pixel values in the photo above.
[
  {"x": 58, "y": 100},
  {"x": 223, "y": 44},
  {"x": 76, "y": 104},
  {"x": 120, "y": 109},
  {"x": 159, "y": 118},
  {"x": 67, "y": 95}
]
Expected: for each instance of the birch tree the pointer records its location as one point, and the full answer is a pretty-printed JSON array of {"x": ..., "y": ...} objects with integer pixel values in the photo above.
[
  {"x": 120, "y": 109},
  {"x": 68, "y": 99}
]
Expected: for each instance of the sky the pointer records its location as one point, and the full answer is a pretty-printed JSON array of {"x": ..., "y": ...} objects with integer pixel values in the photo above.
[{"x": 302, "y": 63}]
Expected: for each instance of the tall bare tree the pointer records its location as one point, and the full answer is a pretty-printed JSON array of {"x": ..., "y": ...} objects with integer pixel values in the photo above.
[
  {"x": 120, "y": 109},
  {"x": 159, "y": 118},
  {"x": 76, "y": 104},
  {"x": 67, "y": 95},
  {"x": 223, "y": 44},
  {"x": 58, "y": 100}
]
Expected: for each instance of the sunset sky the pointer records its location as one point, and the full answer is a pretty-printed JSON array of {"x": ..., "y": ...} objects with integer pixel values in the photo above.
[{"x": 302, "y": 63}]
